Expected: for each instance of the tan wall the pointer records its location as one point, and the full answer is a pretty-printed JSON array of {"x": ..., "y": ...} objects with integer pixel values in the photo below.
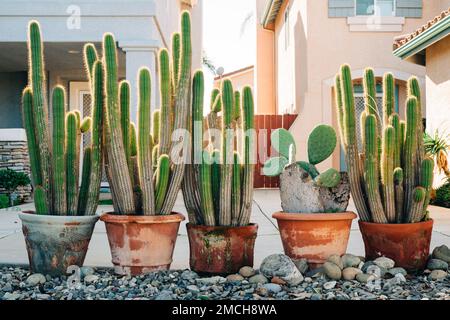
[
  {"x": 305, "y": 70},
  {"x": 438, "y": 90},
  {"x": 239, "y": 80}
]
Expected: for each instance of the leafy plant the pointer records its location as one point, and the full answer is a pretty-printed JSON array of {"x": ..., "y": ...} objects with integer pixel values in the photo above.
[
  {"x": 391, "y": 179},
  {"x": 442, "y": 196},
  {"x": 10, "y": 180},
  {"x": 437, "y": 147}
]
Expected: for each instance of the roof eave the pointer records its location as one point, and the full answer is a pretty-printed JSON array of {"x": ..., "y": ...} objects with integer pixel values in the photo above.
[
  {"x": 424, "y": 40},
  {"x": 270, "y": 12}
]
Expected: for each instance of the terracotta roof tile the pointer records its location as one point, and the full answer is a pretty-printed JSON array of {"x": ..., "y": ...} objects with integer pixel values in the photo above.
[{"x": 404, "y": 39}]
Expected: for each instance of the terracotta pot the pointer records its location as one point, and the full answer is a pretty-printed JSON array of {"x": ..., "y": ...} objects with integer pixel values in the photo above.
[
  {"x": 141, "y": 244},
  {"x": 221, "y": 250},
  {"x": 407, "y": 244},
  {"x": 56, "y": 242},
  {"x": 314, "y": 236}
]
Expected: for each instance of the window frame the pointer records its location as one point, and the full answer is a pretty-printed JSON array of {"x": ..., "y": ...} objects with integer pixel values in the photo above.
[{"x": 375, "y": 14}]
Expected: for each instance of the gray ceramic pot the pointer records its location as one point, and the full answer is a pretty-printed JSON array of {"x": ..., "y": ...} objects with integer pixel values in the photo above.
[{"x": 56, "y": 242}]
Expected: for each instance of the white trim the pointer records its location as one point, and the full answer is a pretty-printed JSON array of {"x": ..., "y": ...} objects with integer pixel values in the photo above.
[
  {"x": 15, "y": 134},
  {"x": 375, "y": 24}
]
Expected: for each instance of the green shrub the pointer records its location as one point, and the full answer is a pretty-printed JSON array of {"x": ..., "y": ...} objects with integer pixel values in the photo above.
[
  {"x": 4, "y": 201},
  {"x": 442, "y": 198},
  {"x": 10, "y": 180}
]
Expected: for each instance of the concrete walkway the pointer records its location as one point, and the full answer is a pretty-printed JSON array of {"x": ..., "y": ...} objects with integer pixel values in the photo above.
[{"x": 266, "y": 202}]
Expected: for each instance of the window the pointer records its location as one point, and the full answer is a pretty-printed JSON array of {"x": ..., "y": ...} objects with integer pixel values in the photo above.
[
  {"x": 287, "y": 28},
  {"x": 383, "y": 8}
]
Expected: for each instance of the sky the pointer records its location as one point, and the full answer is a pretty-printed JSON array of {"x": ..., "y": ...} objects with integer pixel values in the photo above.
[{"x": 223, "y": 42}]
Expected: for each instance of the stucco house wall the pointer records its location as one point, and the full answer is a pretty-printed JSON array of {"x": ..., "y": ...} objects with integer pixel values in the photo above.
[{"x": 309, "y": 48}]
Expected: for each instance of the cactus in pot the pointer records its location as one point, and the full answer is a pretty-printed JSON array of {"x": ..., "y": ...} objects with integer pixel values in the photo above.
[
  {"x": 303, "y": 187},
  {"x": 390, "y": 181}
]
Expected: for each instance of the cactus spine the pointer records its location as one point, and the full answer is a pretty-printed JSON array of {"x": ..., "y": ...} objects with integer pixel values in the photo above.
[
  {"x": 405, "y": 182},
  {"x": 165, "y": 115}
]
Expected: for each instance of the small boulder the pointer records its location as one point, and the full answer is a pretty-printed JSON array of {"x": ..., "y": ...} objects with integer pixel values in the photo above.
[
  {"x": 438, "y": 275},
  {"x": 235, "y": 278},
  {"x": 35, "y": 279},
  {"x": 332, "y": 271},
  {"x": 442, "y": 253},
  {"x": 247, "y": 272},
  {"x": 350, "y": 260},
  {"x": 336, "y": 259},
  {"x": 302, "y": 265},
  {"x": 350, "y": 273},
  {"x": 398, "y": 270},
  {"x": 364, "y": 277},
  {"x": 436, "y": 264},
  {"x": 280, "y": 265},
  {"x": 258, "y": 278},
  {"x": 374, "y": 270},
  {"x": 366, "y": 265},
  {"x": 279, "y": 281},
  {"x": 384, "y": 262}
]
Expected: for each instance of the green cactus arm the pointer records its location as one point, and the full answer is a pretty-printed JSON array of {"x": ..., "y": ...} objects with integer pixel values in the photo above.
[
  {"x": 176, "y": 59},
  {"x": 387, "y": 173},
  {"x": 40, "y": 201},
  {"x": 274, "y": 166},
  {"x": 370, "y": 92},
  {"x": 282, "y": 140},
  {"x": 156, "y": 117},
  {"x": 362, "y": 121},
  {"x": 217, "y": 104},
  {"x": 77, "y": 146},
  {"x": 37, "y": 83},
  {"x": 71, "y": 165},
  {"x": 166, "y": 101},
  {"x": 86, "y": 125},
  {"x": 162, "y": 181},
  {"x": 237, "y": 105},
  {"x": 328, "y": 179},
  {"x": 321, "y": 143},
  {"x": 133, "y": 140},
  {"x": 215, "y": 182},
  {"x": 227, "y": 153},
  {"x": 388, "y": 97},
  {"x": 410, "y": 151},
  {"x": 426, "y": 180},
  {"x": 214, "y": 94},
  {"x": 144, "y": 153},
  {"x": 351, "y": 148},
  {"x": 182, "y": 107},
  {"x": 402, "y": 140},
  {"x": 371, "y": 170},
  {"x": 90, "y": 57},
  {"x": 59, "y": 152},
  {"x": 124, "y": 101},
  {"x": 236, "y": 190},
  {"x": 120, "y": 177},
  {"x": 249, "y": 143},
  {"x": 85, "y": 181},
  {"x": 399, "y": 194},
  {"x": 96, "y": 139},
  {"x": 29, "y": 125},
  {"x": 418, "y": 199},
  {"x": 206, "y": 191},
  {"x": 394, "y": 121},
  {"x": 339, "y": 106}
]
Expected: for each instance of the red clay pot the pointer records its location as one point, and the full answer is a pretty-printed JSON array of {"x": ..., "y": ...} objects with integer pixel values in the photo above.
[
  {"x": 314, "y": 236},
  {"x": 407, "y": 244},
  {"x": 221, "y": 250},
  {"x": 141, "y": 244}
]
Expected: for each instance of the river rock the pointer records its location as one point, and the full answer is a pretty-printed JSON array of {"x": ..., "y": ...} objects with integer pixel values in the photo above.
[
  {"x": 258, "y": 278},
  {"x": 366, "y": 265},
  {"x": 273, "y": 287},
  {"x": 384, "y": 262},
  {"x": 299, "y": 192},
  {"x": 332, "y": 271},
  {"x": 211, "y": 281},
  {"x": 302, "y": 265},
  {"x": 86, "y": 271},
  {"x": 364, "y": 277},
  {"x": 92, "y": 278},
  {"x": 438, "y": 275},
  {"x": 350, "y": 260},
  {"x": 235, "y": 278},
  {"x": 442, "y": 253},
  {"x": 35, "y": 279},
  {"x": 398, "y": 270},
  {"x": 247, "y": 272},
  {"x": 280, "y": 265},
  {"x": 374, "y": 270},
  {"x": 437, "y": 264},
  {"x": 336, "y": 259},
  {"x": 350, "y": 273},
  {"x": 329, "y": 285}
]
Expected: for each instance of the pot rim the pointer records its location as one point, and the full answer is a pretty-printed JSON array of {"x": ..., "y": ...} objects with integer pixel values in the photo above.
[
  {"x": 347, "y": 215},
  {"x": 32, "y": 217},
  {"x": 396, "y": 225},
  {"x": 190, "y": 225},
  {"x": 110, "y": 217}
]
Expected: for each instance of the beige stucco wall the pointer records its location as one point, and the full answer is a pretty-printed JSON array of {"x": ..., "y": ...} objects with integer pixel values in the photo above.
[
  {"x": 239, "y": 79},
  {"x": 438, "y": 90},
  {"x": 318, "y": 45}
]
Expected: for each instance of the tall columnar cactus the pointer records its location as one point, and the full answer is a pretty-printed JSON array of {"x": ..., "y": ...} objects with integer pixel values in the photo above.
[
  {"x": 71, "y": 163},
  {"x": 166, "y": 101},
  {"x": 406, "y": 177}
]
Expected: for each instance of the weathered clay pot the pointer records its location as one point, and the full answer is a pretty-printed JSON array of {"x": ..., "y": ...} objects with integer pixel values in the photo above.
[
  {"x": 56, "y": 242},
  {"x": 141, "y": 244},
  {"x": 221, "y": 250},
  {"x": 407, "y": 244},
  {"x": 314, "y": 236}
]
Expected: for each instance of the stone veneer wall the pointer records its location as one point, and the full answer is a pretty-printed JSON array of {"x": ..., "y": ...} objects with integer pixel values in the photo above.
[{"x": 14, "y": 156}]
